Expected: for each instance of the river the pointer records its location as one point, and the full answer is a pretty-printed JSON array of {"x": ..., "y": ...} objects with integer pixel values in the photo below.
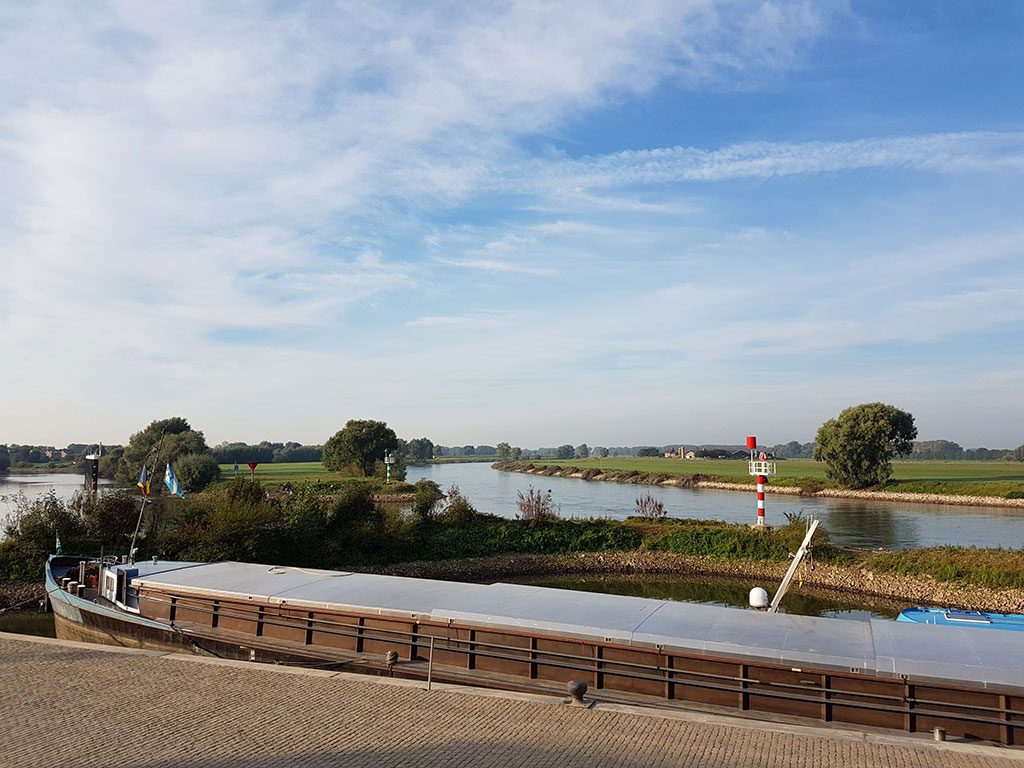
[
  {"x": 33, "y": 486},
  {"x": 850, "y": 522}
]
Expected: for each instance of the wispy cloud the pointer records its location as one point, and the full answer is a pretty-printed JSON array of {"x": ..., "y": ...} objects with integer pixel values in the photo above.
[
  {"x": 936, "y": 153},
  {"x": 323, "y": 199},
  {"x": 468, "y": 320}
]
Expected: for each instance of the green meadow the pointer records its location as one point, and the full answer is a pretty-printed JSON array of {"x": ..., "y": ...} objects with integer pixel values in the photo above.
[
  {"x": 282, "y": 473},
  {"x": 944, "y": 471},
  {"x": 955, "y": 478}
]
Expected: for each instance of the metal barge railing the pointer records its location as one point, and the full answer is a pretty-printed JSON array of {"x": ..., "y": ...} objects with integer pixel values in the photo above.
[{"x": 646, "y": 675}]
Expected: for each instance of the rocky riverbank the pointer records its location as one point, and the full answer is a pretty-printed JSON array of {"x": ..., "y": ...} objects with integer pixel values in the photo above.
[
  {"x": 912, "y": 590},
  {"x": 20, "y": 595},
  {"x": 634, "y": 477}
]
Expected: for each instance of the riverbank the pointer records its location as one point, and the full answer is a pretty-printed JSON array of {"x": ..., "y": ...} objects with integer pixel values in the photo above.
[
  {"x": 21, "y": 595},
  {"x": 703, "y": 482},
  {"x": 827, "y": 578},
  {"x": 911, "y": 590}
]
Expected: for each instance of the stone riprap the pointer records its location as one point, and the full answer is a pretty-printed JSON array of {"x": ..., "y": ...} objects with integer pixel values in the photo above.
[
  {"x": 20, "y": 594},
  {"x": 911, "y": 590}
]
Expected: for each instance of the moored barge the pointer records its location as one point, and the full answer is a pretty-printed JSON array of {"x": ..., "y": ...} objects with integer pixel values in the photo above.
[{"x": 877, "y": 673}]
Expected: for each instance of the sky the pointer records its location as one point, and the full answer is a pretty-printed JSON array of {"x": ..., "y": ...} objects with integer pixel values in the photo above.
[{"x": 532, "y": 222}]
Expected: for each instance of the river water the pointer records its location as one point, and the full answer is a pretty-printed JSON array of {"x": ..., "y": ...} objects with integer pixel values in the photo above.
[
  {"x": 800, "y": 600},
  {"x": 850, "y": 522},
  {"x": 33, "y": 486}
]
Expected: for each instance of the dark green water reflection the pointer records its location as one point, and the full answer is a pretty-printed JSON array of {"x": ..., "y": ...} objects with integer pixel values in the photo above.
[
  {"x": 27, "y": 623},
  {"x": 803, "y": 601}
]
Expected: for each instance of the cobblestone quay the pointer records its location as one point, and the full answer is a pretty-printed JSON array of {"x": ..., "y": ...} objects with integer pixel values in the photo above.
[{"x": 68, "y": 704}]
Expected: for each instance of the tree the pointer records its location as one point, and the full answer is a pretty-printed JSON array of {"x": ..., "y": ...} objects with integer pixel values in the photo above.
[
  {"x": 5, "y": 459},
  {"x": 943, "y": 450},
  {"x": 517, "y": 453},
  {"x": 421, "y": 450},
  {"x": 582, "y": 451},
  {"x": 196, "y": 470},
  {"x": 565, "y": 452},
  {"x": 858, "y": 446},
  {"x": 360, "y": 443},
  {"x": 164, "y": 442},
  {"x": 648, "y": 451},
  {"x": 602, "y": 452},
  {"x": 504, "y": 451},
  {"x": 1018, "y": 453}
]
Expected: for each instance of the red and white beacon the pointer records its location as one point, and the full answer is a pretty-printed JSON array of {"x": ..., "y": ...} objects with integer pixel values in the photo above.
[{"x": 762, "y": 469}]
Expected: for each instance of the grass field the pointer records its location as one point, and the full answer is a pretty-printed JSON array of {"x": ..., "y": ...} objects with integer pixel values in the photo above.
[
  {"x": 283, "y": 473},
  {"x": 958, "y": 478},
  {"x": 945, "y": 471}
]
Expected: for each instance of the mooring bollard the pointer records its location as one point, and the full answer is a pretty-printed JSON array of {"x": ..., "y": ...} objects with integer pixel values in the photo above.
[
  {"x": 390, "y": 659},
  {"x": 577, "y": 690},
  {"x": 939, "y": 734}
]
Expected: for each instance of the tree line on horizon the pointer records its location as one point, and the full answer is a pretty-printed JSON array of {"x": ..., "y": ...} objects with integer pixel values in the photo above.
[{"x": 422, "y": 450}]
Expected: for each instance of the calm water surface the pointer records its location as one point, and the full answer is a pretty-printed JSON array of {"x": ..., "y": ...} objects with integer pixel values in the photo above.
[
  {"x": 28, "y": 623},
  {"x": 850, "y": 522},
  {"x": 801, "y": 601},
  {"x": 13, "y": 487}
]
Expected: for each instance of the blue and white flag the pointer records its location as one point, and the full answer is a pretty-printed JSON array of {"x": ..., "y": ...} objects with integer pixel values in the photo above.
[{"x": 172, "y": 483}]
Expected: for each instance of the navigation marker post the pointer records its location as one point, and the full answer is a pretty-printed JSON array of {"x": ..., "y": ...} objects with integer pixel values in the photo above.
[
  {"x": 762, "y": 469},
  {"x": 389, "y": 459}
]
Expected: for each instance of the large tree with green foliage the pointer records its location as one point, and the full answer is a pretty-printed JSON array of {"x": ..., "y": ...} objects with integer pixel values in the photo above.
[
  {"x": 5, "y": 459},
  {"x": 1018, "y": 453},
  {"x": 169, "y": 441},
  {"x": 858, "y": 446},
  {"x": 360, "y": 444},
  {"x": 420, "y": 450}
]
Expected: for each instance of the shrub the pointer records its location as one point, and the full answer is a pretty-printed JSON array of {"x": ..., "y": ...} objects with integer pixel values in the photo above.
[
  {"x": 457, "y": 508},
  {"x": 21, "y": 561},
  {"x": 649, "y": 507},
  {"x": 535, "y": 506},
  {"x": 428, "y": 494},
  {"x": 40, "y": 521}
]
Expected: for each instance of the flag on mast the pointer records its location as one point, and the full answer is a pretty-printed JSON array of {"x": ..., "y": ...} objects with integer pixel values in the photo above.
[
  {"x": 143, "y": 481},
  {"x": 172, "y": 483}
]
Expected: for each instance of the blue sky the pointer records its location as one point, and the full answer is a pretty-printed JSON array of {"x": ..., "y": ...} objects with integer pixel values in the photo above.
[{"x": 609, "y": 223}]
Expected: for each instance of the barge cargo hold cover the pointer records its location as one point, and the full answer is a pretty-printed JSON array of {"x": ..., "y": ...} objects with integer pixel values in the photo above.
[{"x": 871, "y": 673}]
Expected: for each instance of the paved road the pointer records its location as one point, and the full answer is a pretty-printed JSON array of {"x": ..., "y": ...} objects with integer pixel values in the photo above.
[{"x": 65, "y": 704}]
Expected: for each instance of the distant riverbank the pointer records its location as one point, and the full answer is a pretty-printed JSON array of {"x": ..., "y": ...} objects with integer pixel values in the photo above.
[{"x": 700, "y": 481}]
